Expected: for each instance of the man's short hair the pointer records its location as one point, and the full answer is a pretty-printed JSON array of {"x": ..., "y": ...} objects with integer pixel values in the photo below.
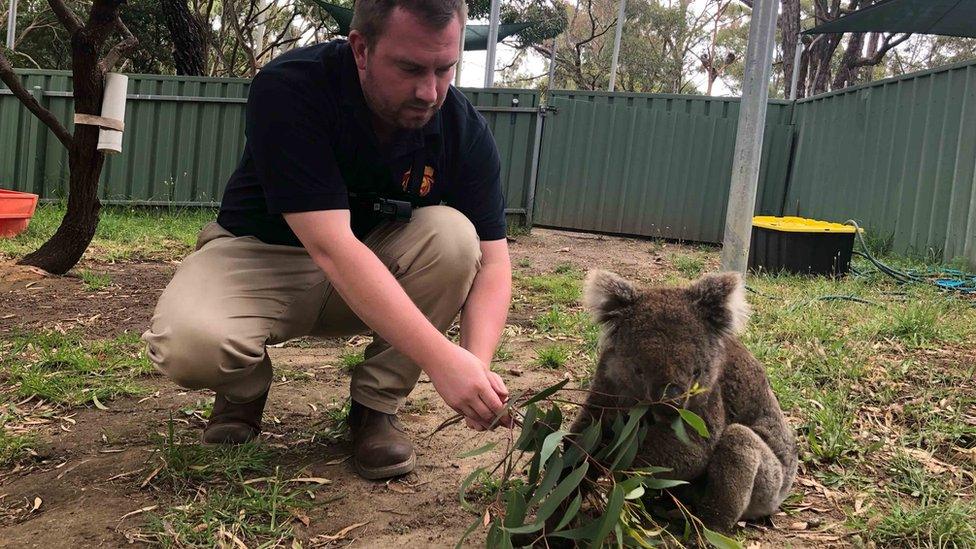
[{"x": 370, "y": 16}]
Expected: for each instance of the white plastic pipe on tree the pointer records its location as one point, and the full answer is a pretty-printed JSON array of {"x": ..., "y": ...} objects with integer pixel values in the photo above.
[{"x": 113, "y": 107}]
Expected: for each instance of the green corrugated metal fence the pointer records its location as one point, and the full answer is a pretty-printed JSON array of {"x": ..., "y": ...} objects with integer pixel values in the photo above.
[
  {"x": 898, "y": 155},
  {"x": 649, "y": 165},
  {"x": 185, "y": 136}
]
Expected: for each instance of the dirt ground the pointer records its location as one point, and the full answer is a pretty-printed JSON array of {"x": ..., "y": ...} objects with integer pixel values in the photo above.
[{"x": 87, "y": 486}]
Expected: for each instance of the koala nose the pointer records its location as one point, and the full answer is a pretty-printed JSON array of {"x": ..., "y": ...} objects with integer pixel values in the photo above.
[{"x": 671, "y": 392}]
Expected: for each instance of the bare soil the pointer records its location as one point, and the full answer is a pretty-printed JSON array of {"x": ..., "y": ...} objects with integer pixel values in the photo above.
[{"x": 92, "y": 465}]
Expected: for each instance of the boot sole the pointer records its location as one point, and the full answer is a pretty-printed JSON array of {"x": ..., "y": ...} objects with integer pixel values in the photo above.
[{"x": 387, "y": 471}]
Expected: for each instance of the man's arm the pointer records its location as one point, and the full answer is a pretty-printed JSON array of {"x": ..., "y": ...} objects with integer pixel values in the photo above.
[
  {"x": 377, "y": 298},
  {"x": 485, "y": 311}
]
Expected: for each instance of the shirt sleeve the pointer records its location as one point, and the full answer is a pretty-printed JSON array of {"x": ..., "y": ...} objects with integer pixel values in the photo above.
[
  {"x": 289, "y": 130},
  {"x": 478, "y": 192}
]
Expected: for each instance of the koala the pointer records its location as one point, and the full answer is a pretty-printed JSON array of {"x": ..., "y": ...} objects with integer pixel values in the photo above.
[{"x": 655, "y": 345}]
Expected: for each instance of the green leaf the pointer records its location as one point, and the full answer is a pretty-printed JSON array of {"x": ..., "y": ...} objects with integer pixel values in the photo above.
[
  {"x": 549, "y": 446},
  {"x": 479, "y": 451},
  {"x": 610, "y": 517},
  {"x": 551, "y": 503},
  {"x": 636, "y": 493},
  {"x": 696, "y": 422},
  {"x": 619, "y": 534},
  {"x": 559, "y": 495},
  {"x": 553, "y": 472},
  {"x": 571, "y": 511},
  {"x": 467, "y": 532},
  {"x": 591, "y": 436},
  {"x": 508, "y": 406},
  {"x": 662, "y": 483},
  {"x": 547, "y": 392},
  {"x": 720, "y": 541},
  {"x": 467, "y": 484},
  {"x": 678, "y": 426},
  {"x": 515, "y": 508},
  {"x": 583, "y": 532},
  {"x": 528, "y": 426},
  {"x": 633, "y": 420}
]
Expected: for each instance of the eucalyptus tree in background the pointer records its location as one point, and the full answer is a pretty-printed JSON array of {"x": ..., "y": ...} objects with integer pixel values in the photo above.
[{"x": 91, "y": 59}]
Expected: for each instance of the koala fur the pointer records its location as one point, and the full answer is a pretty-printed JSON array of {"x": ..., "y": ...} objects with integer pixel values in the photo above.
[{"x": 656, "y": 344}]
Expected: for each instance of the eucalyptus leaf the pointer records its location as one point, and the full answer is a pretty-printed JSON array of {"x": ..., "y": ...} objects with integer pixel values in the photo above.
[
  {"x": 478, "y": 451},
  {"x": 467, "y": 484},
  {"x": 571, "y": 512},
  {"x": 610, "y": 517},
  {"x": 720, "y": 541},
  {"x": 696, "y": 422},
  {"x": 546, "y": 393},
  {"x": 678, "y": 426}
]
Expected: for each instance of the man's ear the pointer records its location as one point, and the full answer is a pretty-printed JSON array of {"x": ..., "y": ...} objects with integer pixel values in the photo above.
[
  {"x": 605, "y": 294},
  {"x": 720, "y": 300},
  {"x": 359, "y": 48}
]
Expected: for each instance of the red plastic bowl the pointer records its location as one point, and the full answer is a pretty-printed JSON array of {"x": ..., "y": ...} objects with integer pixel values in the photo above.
[{"x": 16, "y": 210}]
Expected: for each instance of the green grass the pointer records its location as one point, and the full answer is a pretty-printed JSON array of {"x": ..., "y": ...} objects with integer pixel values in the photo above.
[
  {"x": 562, "y": 289},
  {"x": 690, "y": 266},
  {"x": 945, "y": 523},
  {"x": 184, "y": 460},
  {"x": 502, "y": 354},
  {"x": 13, "y": 447},
  {"x": 95, "y": 281},
  {"x": 348, "y": 360},
  {"x": 553, "y": 356},
  {"x": 123, "y": 232},
  {"x": 71, "y": 369}
]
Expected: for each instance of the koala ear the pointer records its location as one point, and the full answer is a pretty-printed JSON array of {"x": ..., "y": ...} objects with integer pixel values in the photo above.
[
  {"x": 605, "y": 293},
  {"x": 721, "y": 300}
]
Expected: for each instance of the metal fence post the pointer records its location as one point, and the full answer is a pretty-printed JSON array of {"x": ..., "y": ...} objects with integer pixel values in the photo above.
[
  {"x": 540, "y": 118},
  {"x": 749, "y": 137}
]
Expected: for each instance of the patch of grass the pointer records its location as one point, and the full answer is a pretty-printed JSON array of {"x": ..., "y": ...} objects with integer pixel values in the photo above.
[
  {"x": 552, "y": 356},
  {"x": 559, "y": 322},
  {"x": 486, "y": 486},
  {"x": 569, "y": 270},
  {"x": 71, "y": 369},
  {"x": 334, "y": 427},
  {"x": 94, "y": 281},
  {"x": 523, "y": 263},
  {"x": 183, "y": 462},
  {"x": 917, "y": 323},
  {"x": 947, "y": 523},
  {"x": 517, "y": 229},
  {"x": 563, "y": 289},
  {"x": 13, "y": 447},
  {"x": 124, "y": 232},
  {"x": 828, "y": 429},
  {"x": 690, "y": 266},
  {"x": 421, "y": 406},
  {"x": 263, "y": 512},
  {"x": 348, "y": 360},
  {"x": 502, "y": 354}
]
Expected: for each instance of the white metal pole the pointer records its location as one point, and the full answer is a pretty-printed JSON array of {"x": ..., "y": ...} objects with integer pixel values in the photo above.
[
  {"x": 457, "y": 68},
  {"x": 12, "y": 24},
  {"x": 797, "y": 57},
  {"x": 749, "y": 139},
  {"x": 616, "y": 43},
  {"x": 492, "y": 43}
]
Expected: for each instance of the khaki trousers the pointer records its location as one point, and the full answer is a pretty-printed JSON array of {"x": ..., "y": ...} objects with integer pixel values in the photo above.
[{"x": 235, "y": 295}]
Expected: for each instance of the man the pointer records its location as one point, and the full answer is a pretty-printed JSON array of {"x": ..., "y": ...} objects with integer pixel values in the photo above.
[{"x": 312, "y": 238}]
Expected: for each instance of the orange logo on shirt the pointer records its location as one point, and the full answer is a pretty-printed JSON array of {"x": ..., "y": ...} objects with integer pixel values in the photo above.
[{"x": 425, "y": 184}]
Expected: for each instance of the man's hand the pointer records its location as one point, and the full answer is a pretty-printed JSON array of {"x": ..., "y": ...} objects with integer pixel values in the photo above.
[{"x": 469, "y": 388}]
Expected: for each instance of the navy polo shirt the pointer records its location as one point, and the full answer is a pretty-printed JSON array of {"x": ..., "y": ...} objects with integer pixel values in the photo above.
[{"x": 310, "y": 144}]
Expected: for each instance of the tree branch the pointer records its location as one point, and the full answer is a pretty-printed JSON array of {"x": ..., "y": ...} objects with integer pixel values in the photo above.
[
  {"x": 120, "y": 50},
  {"x": 10, "y": 78},
  {"x": 889, "y": 42},
  {"x": 66, "y": 16}
]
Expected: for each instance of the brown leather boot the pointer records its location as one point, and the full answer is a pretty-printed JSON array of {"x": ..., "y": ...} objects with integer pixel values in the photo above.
[
  {"x": 232, "y": 423},
  {"x": 381, "y": 448}
]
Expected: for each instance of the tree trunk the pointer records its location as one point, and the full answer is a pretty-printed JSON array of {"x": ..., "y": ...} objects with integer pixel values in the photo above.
[
  {"x": 59, "y": 254},
  {"x": 789, "y": 27},
  {"x": 189, "y": 37}
]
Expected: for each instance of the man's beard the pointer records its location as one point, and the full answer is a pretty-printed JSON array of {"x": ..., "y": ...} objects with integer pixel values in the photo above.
[{"x": 411, "y": 115}]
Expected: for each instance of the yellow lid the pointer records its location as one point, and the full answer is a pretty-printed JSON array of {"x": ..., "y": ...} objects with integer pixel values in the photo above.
[{"x": 800, "y": 225}]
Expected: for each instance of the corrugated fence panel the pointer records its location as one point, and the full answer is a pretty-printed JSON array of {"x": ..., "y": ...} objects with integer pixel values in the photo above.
[
  {"x": 633, "y": 167},
  {"x": 898, "y": 156},
  {"x": 184, "y": 137}
]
